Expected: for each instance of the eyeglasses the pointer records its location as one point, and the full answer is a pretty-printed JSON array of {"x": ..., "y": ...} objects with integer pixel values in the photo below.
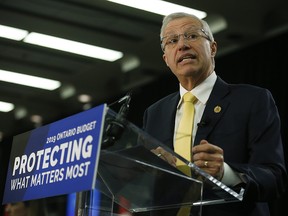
[{"x": 170, "y": 41}]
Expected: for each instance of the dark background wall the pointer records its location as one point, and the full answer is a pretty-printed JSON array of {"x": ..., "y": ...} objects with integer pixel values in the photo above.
[{"x": 264, "y": 64}]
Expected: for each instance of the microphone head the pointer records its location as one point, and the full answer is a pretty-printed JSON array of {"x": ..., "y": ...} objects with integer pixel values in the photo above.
[
  {"x": 123, "y": 98},
  {"x": 202, "y": 123}
]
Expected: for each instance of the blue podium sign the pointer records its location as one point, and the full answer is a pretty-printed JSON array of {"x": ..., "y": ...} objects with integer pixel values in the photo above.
[{"x": 58, "y": 158}]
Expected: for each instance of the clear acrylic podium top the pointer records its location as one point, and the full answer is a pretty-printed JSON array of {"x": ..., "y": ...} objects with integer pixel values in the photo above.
[{"x": 132, "y": 176}]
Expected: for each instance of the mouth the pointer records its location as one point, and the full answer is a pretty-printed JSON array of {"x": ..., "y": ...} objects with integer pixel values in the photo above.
[{"x": 186, "y": 57}]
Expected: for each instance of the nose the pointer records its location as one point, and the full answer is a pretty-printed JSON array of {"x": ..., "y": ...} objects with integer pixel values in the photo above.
[{"x": 182, "y": 42}]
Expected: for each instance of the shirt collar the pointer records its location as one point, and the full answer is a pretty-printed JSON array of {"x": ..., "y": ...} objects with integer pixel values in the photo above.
[{"x": 202, "y": 91}]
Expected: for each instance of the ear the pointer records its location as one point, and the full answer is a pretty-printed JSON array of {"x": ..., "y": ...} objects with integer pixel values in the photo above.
[
  {"x": 165, "y": 59},
  {"x": 213, "y": 49}
]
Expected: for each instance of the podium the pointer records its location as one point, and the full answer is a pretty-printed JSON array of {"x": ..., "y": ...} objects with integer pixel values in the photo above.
[{"x": 131, "y": 177}]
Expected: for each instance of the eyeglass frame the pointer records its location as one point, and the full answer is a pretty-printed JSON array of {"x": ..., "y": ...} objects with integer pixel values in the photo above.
[{"x": 185, "y": 37}]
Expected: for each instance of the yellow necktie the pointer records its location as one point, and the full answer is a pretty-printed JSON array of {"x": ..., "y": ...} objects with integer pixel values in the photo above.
[{"x": 183, "y": 141}]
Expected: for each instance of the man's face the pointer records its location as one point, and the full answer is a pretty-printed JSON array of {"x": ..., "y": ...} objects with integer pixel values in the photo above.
[{"x": 190, "y": 54}]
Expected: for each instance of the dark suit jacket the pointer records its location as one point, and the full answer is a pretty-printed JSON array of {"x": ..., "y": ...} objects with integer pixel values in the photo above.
[{"x": 248, "y": 130}]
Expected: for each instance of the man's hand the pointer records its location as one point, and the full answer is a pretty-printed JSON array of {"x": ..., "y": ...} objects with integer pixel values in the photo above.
[
  {"x": 210, "y": 158},
  {"x": 162, "y": 153}
]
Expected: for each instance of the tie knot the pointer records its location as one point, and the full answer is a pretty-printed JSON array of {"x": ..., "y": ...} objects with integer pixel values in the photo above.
[{"x": 189, "y": 97}]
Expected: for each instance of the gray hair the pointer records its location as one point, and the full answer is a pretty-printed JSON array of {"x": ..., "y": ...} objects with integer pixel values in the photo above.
[{"x": 178, "y": 15}]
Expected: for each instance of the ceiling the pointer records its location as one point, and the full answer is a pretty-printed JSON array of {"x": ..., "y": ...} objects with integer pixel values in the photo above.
[{"x": 109, "y": 25}]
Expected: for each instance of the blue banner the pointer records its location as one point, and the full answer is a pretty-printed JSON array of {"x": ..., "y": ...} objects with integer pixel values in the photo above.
[{"x": 59, "y": 158}]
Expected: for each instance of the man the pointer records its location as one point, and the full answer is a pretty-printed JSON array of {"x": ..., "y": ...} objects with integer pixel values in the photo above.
[
  {"x": 236, "y": 131},
  {"x": 17, "y": 209}
]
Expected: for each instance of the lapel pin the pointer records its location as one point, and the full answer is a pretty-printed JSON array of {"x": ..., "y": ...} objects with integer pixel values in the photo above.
[{"x": 217, "y": 109}]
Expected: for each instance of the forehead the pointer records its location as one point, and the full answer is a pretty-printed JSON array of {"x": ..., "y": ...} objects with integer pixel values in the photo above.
[{"x": 182, "y": 24}]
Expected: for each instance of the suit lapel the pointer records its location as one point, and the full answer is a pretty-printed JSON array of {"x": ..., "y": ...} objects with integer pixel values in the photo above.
[
  {"x": 169, "y": 120},
  {"x": 215, "y": 108}
]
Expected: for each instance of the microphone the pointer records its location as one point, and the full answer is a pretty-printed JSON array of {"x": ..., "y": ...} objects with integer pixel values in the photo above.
[
  {"x": 115, "y": 127},
  {"x": 127, "y": 96},
  {"x": 202, "y": 123},
  {"x": 123, "y": 112}
]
